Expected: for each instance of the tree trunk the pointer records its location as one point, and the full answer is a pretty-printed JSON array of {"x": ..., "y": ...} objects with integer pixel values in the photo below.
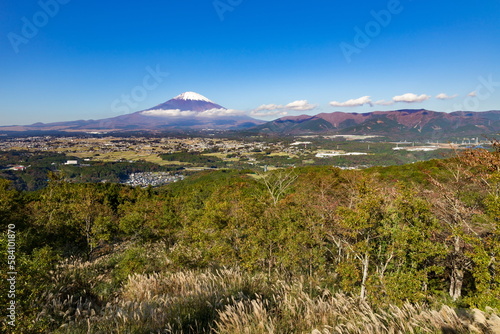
[
  {"x": 457, "y": 280},
  {"x": 366, "y": 261},
  {"x": 269, "y": 264},
  {"x": 457, "y": 272},
  {"x": 88, "y": 236}
]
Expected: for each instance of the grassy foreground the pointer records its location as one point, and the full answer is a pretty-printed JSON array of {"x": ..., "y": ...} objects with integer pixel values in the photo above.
[{"x": 231, "y": 301}]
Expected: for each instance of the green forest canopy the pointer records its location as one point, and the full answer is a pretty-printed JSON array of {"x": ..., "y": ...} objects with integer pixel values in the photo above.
[{"x": 422, "y": 233}]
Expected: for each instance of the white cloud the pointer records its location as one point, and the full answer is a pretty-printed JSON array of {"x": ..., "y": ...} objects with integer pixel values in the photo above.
[
  {"x": 268, "y": 110},
  {"x": 472, "y": 94},
  {"x": 220, "y": 112},
  {"x": 443, "y": 96},
  {"x": 269, "y": 107},
  {"x": 169, "y": 113},
  {"x": 268, "y": 113},
  {"x": 353, "y": 102},
  {"x": 383, "y": 103},
  {"x": 411, "y": 98},
  {"x": 301, "y": 105},
  {"x": 192, "y": 113}
]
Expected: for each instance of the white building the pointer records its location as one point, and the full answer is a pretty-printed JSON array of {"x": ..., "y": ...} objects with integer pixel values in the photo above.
[{"x": 337, "y": 154}]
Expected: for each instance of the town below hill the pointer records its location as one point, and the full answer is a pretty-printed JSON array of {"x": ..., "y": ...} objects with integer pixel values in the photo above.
[{"x": 155, "y": 161}]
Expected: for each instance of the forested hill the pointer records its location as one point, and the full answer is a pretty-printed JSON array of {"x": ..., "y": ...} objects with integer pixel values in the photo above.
[{"x": 288, "y": 251}]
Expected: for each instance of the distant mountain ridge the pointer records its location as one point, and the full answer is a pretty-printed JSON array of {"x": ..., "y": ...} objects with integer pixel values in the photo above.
[
  {"x": 187, "y": 111},
  {"x": 397, "y": 123},
  {"x": 191, "y": 111}
]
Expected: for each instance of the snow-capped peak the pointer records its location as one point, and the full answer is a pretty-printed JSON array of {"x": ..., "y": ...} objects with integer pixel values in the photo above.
[{"x": 192, "y": 96}]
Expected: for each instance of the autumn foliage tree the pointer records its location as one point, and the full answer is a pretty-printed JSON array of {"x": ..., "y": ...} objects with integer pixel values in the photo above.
[{"x": 467, "y": 206}]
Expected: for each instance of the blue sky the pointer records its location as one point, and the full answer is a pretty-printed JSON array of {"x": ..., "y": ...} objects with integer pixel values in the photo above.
[{"x": 64, "y": 60}]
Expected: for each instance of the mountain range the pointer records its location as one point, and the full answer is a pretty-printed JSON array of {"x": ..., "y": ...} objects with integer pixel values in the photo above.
[
  {"x": 187, "y": 111},
  {"x": 406, "y": 123},
  {"x": 192, "y": 111}
]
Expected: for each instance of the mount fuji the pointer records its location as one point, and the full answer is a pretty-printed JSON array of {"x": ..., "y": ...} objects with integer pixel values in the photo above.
[
  {"x": 187, "y": 111},
  {"x": 188, "y": 101}
]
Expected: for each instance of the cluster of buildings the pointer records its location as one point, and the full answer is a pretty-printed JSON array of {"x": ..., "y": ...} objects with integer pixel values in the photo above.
[
  {"x": 26, "y": 143},
  {"x": 143, "y": 145},
  {"x": 337, "y": 154},
  {"x": 153, "y": 179}
]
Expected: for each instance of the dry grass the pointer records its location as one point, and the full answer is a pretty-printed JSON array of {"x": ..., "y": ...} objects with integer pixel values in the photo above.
[
  {"x": 230, "y": 301},
  {"x": 182, "y": 302},
  {"x": 294, "y": 311}
]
